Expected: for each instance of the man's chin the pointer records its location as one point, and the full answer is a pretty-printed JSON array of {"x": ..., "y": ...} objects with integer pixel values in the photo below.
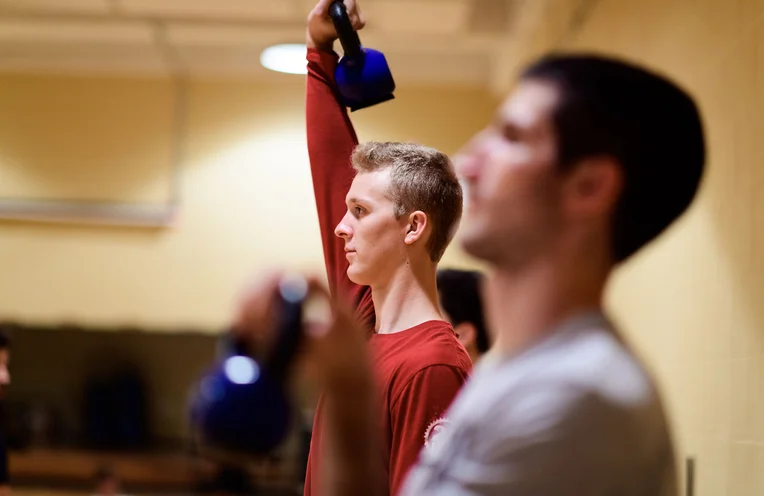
[
  {"x": 472, "y": 243},
  {"x": 480, "y": 246},
  {"x": 357, "y": 276}
]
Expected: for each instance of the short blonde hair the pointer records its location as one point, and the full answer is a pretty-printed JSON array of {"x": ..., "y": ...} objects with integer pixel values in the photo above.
[{"x": 421, "y": 178}]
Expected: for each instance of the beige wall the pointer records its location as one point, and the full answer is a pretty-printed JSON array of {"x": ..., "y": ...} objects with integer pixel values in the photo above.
[
  {"x": 694, "y": 302},
  {"x": 246, "y": 191},
  {"x": 246, "y": 204}
]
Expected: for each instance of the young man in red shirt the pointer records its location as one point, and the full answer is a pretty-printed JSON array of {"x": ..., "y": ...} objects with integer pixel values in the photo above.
[{"x": 387, "y": 212}]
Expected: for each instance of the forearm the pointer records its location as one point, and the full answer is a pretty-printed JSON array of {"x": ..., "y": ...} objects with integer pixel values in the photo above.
[
  {"x": 331, "y": 140},
  {"x": 330, "y": 132},
  {"x": 353, "y": 445}
]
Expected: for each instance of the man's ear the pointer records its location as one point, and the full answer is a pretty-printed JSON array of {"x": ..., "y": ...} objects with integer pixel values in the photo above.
[
  {"x": 416, "y": 226},
  {"x": 466, "y": 333},
  {"x": 593, "y": 186}
]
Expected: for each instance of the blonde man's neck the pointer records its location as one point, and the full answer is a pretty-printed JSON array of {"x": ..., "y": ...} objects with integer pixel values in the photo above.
[{"x": 408, "y": 299}]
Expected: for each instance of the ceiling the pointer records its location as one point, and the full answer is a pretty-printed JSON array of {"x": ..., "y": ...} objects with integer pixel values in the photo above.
[{"x": 447, "y": 42}]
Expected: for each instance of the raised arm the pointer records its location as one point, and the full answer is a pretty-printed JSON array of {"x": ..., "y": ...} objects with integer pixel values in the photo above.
[{"x": 331, "y": 140}]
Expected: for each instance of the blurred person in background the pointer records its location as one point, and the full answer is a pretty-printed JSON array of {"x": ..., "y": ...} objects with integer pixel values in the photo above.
[{"x": 460, "y": 293}]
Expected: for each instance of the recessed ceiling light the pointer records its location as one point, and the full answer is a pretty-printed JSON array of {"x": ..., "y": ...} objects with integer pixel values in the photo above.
[{"x": 288, "y": 58}]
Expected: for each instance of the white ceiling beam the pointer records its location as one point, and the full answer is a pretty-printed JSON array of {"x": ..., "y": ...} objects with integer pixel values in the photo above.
[
  {"x": 62, "y": 6},
  {"x": 137, "y": 32},
  {"x": 183, "y": 34},
  {"x": 222, "y": 36},
  {"x": 75, "y": 31},
  {"x": 416, "y": 43},
  {"x": 135, "y": 62},
  {"x": 423, "y": 16},
  {"x": 416, "y": 16},
  {"x": 249, "y": 10}
]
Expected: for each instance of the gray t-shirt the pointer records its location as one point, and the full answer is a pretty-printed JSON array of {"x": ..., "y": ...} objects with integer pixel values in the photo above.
[{"x": 576, "y": 414}]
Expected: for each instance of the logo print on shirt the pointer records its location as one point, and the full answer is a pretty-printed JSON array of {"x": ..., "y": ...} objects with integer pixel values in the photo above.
[{"x": 434, "y": 431}]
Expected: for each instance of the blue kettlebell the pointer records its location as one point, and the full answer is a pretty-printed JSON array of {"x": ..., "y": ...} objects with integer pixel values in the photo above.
[
  {"x": 243, "y": 405},
  {"x": 362, "y": 76}
]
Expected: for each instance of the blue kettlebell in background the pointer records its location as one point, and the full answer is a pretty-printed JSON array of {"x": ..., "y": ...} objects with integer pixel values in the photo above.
[
  {"x": 362, "y": 75},
  {"x": 243, "y": 405}
]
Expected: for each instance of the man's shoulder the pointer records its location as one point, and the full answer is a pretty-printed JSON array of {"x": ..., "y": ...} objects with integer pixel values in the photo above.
[
  {"x": 430, "y": 351},
  {"x": 597, "y": 363},
  {"x": 580, "y": 388},
  {"x": 584, "y": 378},
  {"x": 436, "y": 344}
]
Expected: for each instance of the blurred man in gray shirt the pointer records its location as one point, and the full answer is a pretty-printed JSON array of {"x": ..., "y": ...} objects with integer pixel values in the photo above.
[{"x": 587, "y": 161}]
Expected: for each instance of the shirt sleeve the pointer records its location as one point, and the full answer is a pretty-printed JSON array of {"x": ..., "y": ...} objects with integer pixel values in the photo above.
[
  {"x": 417, "y": 416},
  {"x": 331, "y": 140}
]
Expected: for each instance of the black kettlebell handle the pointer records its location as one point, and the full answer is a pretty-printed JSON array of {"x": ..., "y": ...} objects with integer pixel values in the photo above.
[
  {"x": 277, "y": 361},
  {"x": 291, "y": 297},
  {"x": 351, "y": 43}
]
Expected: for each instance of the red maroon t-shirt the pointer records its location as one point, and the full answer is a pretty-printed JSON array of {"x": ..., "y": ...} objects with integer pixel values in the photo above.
[{"x": 419, "y": 370}]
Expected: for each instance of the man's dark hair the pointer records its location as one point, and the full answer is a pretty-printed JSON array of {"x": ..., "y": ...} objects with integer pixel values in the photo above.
[
  {"x": 644, "y": 121},
  {"x": 460, "y": 297}
]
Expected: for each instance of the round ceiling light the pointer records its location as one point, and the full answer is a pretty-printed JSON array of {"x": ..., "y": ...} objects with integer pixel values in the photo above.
[{"x": 288, "y": 58}]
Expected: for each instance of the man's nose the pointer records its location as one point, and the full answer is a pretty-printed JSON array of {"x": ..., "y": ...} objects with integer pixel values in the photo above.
[{"x": 343, "y": 230}]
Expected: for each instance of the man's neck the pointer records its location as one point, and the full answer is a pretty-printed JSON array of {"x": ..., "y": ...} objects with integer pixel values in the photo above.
[
  {"x": 408, "y": 299},
  {"x": 525, "y": 306}
]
